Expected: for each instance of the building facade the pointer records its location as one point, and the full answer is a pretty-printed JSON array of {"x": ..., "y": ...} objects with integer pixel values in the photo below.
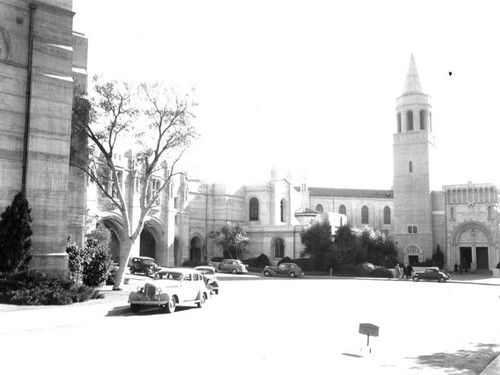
[
  {"x": 41, "y": 60},
  {"x": 40, "y": 56}
]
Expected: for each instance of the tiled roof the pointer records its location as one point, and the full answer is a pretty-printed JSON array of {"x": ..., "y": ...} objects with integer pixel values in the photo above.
[{"x": 350, "y": 193}]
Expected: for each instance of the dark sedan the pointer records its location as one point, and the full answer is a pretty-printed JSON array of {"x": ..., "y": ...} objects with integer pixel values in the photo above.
[
  {"x": 431, "y": 273},
  {"x": 284, "y": 269}
]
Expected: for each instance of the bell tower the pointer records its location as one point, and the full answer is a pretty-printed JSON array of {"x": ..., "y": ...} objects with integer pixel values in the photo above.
[{"x": 413, "y": 146}]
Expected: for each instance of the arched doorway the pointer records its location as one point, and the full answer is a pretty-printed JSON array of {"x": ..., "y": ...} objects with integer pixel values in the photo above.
[
  {"x": 472, "y": 246},
  {"x": 147, "y": 244},
  {"x": 177, "y": 258},
  {"x": 114, "y": 245},
  {"x": 195, "y": 249}
]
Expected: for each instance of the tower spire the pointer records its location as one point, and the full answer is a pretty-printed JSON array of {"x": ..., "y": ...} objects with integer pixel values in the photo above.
[{"x": 412, "y": 83}]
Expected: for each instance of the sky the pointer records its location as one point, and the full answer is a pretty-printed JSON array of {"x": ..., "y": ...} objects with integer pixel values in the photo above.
[{"x": 310, "y": 87}]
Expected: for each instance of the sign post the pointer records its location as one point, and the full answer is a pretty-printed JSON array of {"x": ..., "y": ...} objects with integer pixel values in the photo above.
[{"x": 368, "y": 329}]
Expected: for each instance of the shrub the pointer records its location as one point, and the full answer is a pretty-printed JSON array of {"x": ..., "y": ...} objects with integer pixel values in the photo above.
[
  {"x": 353, "y": 270},
  {"x": 285, "y": 260},
  {"x": 15, "y": 235},
  {"x": 34, "y": 288},
  {"x": 76, "y": 261},
  {"x": 305, "y": 263},
  {"x": 91, "y": 265},
  {"x": 259, "y": 262},
  {"x": 381, "y": 272}
]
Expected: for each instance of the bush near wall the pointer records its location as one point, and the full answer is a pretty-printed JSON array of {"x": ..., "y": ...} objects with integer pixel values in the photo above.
[{"x": 35, "y": 288}]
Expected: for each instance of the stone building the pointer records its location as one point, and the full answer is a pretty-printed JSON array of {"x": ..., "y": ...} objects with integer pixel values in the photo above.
[{"x": 39, "y": 57}]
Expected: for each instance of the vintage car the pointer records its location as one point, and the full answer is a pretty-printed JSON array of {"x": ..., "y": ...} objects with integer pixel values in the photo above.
[
  {"x": 230, "y": 265},
  {"x": 431, "y": 273},
  {"x": 210, "y": 278},
  {"x": 178, "y": 286},
  {"x": 145, "y": 265},
  {"x": 284, "y": 269}
]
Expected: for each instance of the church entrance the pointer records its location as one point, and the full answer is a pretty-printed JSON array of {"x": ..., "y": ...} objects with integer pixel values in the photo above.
[
  {"x": 482, "y": 258},
  {"x": 147, "y": 245},
  {"x": 465, "y": 257},
  {"x": 195, "y": 251}
]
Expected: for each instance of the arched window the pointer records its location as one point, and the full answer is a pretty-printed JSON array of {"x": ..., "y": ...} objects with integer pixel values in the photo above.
[
  {"x": 410, "y": 167},
  {"x": 319, "y": 208},
  {"x": 387, "y": 215},
  {"x": 254, "y": 209},
  {"x": 409, "y": 120},
  {"x": 342, "y": 210},
  {"x": 490, "y": 213},
  {"x": 364, "y": 215},
  {"x": 282, "y": 210},
  {"x": 399, "y": 122},
  {"x": 279, "y": 248},
  {"x": 422, "y": 119},
  {"x": 452, "y": 213}
]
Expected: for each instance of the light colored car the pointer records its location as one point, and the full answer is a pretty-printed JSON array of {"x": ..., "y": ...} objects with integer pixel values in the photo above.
[
  {"x": 431, "y": 273},
  {"x": 284, "y": 269},
  {"x": 178, "y": 286},
  {"x": 210, "y": 277}
]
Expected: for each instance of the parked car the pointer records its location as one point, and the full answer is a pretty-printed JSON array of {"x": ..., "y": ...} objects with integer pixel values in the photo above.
[
  {"x": 145, "y": 265},
  {"x": 178, "y": 286},
  {"x": 230, "y": 265},
  {"x": 284, "y": 269},
  {"x": 431, "y": 273},
  {"x": 210, "y": 277}
]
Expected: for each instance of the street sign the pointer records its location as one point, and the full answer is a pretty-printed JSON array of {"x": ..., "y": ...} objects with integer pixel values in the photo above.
[{"x": 368, "y": 329}]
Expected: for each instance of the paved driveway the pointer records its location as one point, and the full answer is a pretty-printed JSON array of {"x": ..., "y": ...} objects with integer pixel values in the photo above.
[{"x": 268, "y": 326}]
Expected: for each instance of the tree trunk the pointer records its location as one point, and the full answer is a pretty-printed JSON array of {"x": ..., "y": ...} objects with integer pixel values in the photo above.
[{"x": 125, "y": 249}]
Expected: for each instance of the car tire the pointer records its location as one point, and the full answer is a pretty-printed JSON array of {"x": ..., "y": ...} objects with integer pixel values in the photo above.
[
  {"x": 441, "y": 280},
  {"x": 147, "y": 272},
  {"x": 216, "y": 291},
  {"x": 132, "y": 270},
  {"x": 234, "y": 271},
  {"x": 135, "y": 308},
  {"x": 171, "y": 305},
  {"x": 202, "y": 301},
  {"x": 416, "y": 278},
  {"x": 267, "y": 273},
  {"x": 292, "y": 274}
]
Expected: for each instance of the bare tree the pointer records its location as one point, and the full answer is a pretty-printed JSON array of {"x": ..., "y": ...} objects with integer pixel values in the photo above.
[{"x": 152, "y": 119}]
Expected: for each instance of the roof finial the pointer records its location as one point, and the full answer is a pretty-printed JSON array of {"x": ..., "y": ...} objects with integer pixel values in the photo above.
[{"x": 412, "y": 83}]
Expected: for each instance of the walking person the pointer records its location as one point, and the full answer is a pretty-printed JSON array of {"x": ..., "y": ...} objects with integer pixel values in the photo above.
[
  {"x": 409, "y": 271},
  {"x": 404, "y": 271},
  {"x": 397, "y": 269}
]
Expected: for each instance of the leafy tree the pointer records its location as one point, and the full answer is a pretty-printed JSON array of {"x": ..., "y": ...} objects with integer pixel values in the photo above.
[
  {"x": 15, "y": 235},
  {"x": 318, "y": 243},
  {"x": 158, "y": 121},
  {"x": 231, "y": 239},
  {"x": 355, "y": 245}
]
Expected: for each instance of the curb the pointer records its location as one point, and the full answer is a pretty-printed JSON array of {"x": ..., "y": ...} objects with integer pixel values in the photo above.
[{"x": 493, "y": 368}]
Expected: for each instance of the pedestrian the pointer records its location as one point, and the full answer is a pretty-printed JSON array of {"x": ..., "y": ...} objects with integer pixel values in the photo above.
[
  {"x": 397, "y": 269},
  {"x": 455, "y": 269},
  {"x": 409, "y": 271},
  {"x": 404, "y": 271}
]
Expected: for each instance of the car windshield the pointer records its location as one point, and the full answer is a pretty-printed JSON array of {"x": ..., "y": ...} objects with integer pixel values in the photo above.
[
  {"x": 173, "y": 276},
  {"x": 147, "y": 261},
  {"x": 207, "y": 271}
]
